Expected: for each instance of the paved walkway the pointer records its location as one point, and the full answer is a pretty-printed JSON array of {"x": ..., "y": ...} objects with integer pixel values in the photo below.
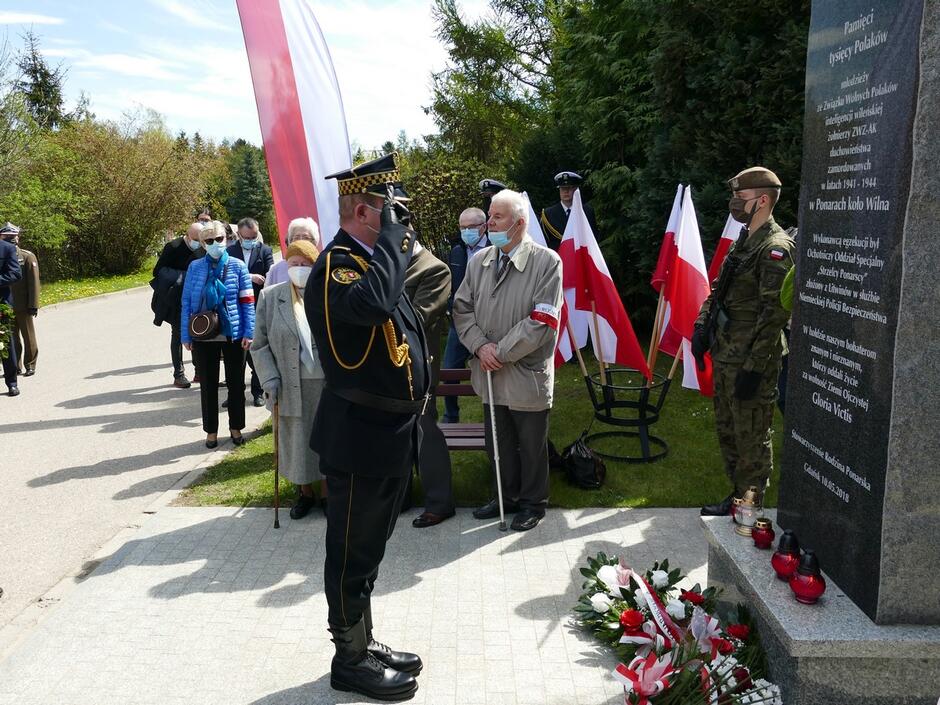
[
  {"x": 212, "y": 606},
  {"x": 95, "y": 437}
]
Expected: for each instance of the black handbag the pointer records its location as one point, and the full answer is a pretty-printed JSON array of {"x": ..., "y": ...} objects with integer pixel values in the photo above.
[
  {"x": 583, "y": 467},
  {"x": 204, "y": 325}
]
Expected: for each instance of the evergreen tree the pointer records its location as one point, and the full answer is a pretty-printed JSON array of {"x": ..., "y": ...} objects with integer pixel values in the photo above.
[{"x": 41, "y": 85}]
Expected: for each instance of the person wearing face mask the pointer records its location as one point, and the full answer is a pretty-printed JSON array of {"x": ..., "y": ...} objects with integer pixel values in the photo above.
[
  {"x": 251, "y": 250},
  {"x": 374, "y": 353},
  {"x": 472, "y": 223},
  {"x": 741, "y": 324},
  {"x": 554, "y": 219},
  {"x": 219, "y": 283},
  {"x": 298, "y": 229},
  {"x": 291, "y": 375},
  {"x": 169, "y": 276},
  {"x": 506, "y": 313}
]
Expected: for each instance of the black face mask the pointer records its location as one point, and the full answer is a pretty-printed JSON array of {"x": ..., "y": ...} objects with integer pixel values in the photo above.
[{"x": 738, "y": 209}]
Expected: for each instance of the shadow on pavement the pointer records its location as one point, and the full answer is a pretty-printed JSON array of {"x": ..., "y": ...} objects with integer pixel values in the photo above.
[
  {"x": 116, "y": 423},
  {"x": 160, "y": 394},
  {"x": 127, "y": 371}
]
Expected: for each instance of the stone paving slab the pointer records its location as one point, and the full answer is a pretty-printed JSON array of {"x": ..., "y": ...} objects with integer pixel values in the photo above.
[{"x": 213, "y": 606}]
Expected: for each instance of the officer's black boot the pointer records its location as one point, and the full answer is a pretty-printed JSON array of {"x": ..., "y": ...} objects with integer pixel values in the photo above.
[
  {"x": 399, "y": 660},
  {"x": 355, "y": 669},
  {"x": 721, "y": 509}
]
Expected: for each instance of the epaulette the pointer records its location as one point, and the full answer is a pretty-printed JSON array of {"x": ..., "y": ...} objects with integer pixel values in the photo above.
[{"x": 551, "y": 229}]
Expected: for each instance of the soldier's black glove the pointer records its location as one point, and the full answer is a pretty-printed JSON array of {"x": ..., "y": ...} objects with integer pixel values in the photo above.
[
  {"x": 746, "y": 383},
  {"x": 395, "y": 211},
  {"x": 699, "y": 347}
]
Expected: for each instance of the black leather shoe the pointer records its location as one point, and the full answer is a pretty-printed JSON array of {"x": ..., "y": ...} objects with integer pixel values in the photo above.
[
  {"x": 399, "y": 660},
  {"x": 527, "y": 519},
  {"x": 13, "y": 391},
  {"x": 238, "y": 440},
  {"x": 356, "y": 669},
  {"x": 259, "y": 400},
  {"x": 29, "y": 373},
  {"x": 721, "y": 509},
  {"x": 426, "y": 519},
  {"x": 181, "y": 382},
  {"x": 490, "y": 510},
  {"x": 302, "y": 506},
  {"x": 212, "y": 444},
  {"x": 225, "y": 404}
]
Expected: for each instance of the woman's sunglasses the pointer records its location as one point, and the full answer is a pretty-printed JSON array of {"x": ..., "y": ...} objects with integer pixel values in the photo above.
[{"x": 220, "y": 238}]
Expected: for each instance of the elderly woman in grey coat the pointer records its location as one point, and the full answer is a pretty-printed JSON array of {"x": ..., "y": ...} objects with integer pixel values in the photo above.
[{"x": 289, "y": 369}]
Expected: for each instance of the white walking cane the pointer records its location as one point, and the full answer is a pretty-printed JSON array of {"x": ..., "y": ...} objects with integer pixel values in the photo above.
[{"x": 499, "y": 480}]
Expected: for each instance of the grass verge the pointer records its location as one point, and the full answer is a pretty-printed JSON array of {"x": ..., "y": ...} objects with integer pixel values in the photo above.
[
  {"x": 689, "y": 476},
  {"x": 70, "y": 289}
]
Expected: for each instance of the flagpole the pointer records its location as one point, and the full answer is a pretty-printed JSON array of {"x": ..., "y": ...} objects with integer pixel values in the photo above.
[
  {"x": 654, "y": 336},
  {"x": 675, "y": 362},
  {"x": 577, "y": 350},
  {"x": 597, "y": 343}
]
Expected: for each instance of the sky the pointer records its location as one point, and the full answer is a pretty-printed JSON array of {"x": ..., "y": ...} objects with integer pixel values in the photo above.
[{"x": 186, "y": 59}]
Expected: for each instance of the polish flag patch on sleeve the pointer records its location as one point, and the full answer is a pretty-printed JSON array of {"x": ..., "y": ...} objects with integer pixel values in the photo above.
[
  {"x": 547, "y": 314},
  {"x": 777, "y": 254},
  {"x": 246, "y": 296}
]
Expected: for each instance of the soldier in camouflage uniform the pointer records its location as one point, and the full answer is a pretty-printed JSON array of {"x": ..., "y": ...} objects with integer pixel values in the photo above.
[{"x": 741, "y": 324}]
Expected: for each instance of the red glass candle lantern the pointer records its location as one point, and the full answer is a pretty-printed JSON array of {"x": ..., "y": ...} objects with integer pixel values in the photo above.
[
  {"x": 787, "y": 556},
  {"x": 763, "y": 533},
  {"x": 807, "y": 582}
]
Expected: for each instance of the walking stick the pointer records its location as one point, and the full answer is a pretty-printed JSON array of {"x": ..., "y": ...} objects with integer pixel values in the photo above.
[
  {"x": 499, "y": 480},
  {"x": 277, "y": 488}
]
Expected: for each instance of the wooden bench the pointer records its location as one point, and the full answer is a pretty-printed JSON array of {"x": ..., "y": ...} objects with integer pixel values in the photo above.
[{"x": 460, "y": 436}]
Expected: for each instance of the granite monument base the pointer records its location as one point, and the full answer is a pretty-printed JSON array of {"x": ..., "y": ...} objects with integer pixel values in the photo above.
[{"x": 829, "y": 653}]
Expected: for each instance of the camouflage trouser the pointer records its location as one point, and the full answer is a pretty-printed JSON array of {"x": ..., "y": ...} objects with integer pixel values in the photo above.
[{"x": 744, "y": 428}]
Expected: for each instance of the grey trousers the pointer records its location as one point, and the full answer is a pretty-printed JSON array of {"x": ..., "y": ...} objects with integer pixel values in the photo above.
[
  {"x": 434, "y": 464},
  {"x": 523, "y": 455}
]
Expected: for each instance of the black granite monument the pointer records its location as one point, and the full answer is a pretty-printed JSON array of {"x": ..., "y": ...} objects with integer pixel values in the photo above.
[{"x": 853, "y": 477}]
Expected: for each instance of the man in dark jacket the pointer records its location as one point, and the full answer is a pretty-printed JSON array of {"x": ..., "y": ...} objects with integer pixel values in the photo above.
[
  {"x": 472, "y": 240},
  {"x": 555, "y": 218},
  {"x": 375, "y": 357},
  {"x": 169, "y": 274},
  {"x": 26, "y": 307},
  {"x": 251, "y": 250},
  {"x": 9, "y": 274}
]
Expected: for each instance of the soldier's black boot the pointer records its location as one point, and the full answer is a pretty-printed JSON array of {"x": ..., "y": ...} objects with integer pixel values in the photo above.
[
  {"x": 722, "y": 509},
  {"x": 399, "y": 660},
  {"x": 355, "y": 669}
]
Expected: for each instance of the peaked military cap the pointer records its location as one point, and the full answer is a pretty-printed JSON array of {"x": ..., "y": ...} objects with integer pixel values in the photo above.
[
  {"x": 9, "y": 229},
  {"x": 755, "y": 177},
  {"x": 370, "y": 177},
  {"x": 491, "y": 186},
  {"x": 567, "y": 178}
]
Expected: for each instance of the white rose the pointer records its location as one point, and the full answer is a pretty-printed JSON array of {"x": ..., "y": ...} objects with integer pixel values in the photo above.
[
  {"x": 660, "y": 578},
  {"x": 607, "y": 574},
  {"x": 601, "y": 602},
  {"x": 640, "y": 600},
  {"x": 676, "y": 609}
]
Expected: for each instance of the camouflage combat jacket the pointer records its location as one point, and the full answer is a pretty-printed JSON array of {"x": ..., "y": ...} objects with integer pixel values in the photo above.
[{"x": 750, "y": 332}]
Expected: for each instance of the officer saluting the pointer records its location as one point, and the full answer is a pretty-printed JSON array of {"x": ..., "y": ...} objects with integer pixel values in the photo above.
[
  {"x": 373, "y": 351},
  {"x": 554, "y": 219}
]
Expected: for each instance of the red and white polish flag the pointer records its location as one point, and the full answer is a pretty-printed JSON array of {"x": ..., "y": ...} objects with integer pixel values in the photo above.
[
  {"x": 688, "y": 289},
  {"x": 586, "y": 272},
  {"x": 669, "y": 340},
  {"x": 300, "y": 108},
  {"x": 728, "y": 237}
]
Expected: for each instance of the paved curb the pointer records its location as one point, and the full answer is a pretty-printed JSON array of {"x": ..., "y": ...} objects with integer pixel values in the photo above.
[
  {"x": 14, "y": 632},
  {"x": 96, "y": 297}
]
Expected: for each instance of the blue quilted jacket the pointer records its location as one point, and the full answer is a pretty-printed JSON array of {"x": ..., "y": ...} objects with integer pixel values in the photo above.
[{"x": 239, "y": 297}]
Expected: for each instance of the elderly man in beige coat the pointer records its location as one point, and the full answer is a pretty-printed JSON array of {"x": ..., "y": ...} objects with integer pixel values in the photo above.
[{"x": 506, "y": 313}]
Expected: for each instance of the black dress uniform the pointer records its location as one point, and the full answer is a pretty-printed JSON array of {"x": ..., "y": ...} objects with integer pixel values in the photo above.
[
  {"x": 375, "y": 358},
  {"x": 554, "y": 219}
]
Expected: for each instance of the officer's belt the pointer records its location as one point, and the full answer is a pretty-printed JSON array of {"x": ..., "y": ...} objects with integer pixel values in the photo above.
[{"x": 376, "y": 401}]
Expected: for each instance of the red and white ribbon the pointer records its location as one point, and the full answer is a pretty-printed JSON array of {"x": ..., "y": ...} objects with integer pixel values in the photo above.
[{"x": 646, "y": 677}]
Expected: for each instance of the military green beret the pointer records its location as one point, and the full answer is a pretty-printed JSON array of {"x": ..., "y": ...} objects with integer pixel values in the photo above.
[{"x": 755, "y": 177}]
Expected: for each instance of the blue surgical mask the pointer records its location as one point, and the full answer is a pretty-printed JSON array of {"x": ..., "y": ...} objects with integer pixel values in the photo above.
[
  {"x": 251, "y": 244},
  {"x": 194, "y": 244},
  {"x": 499, "y": 239},
  {"x": 215, "y": 249},
  {"x": 470, "y": 236}
]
